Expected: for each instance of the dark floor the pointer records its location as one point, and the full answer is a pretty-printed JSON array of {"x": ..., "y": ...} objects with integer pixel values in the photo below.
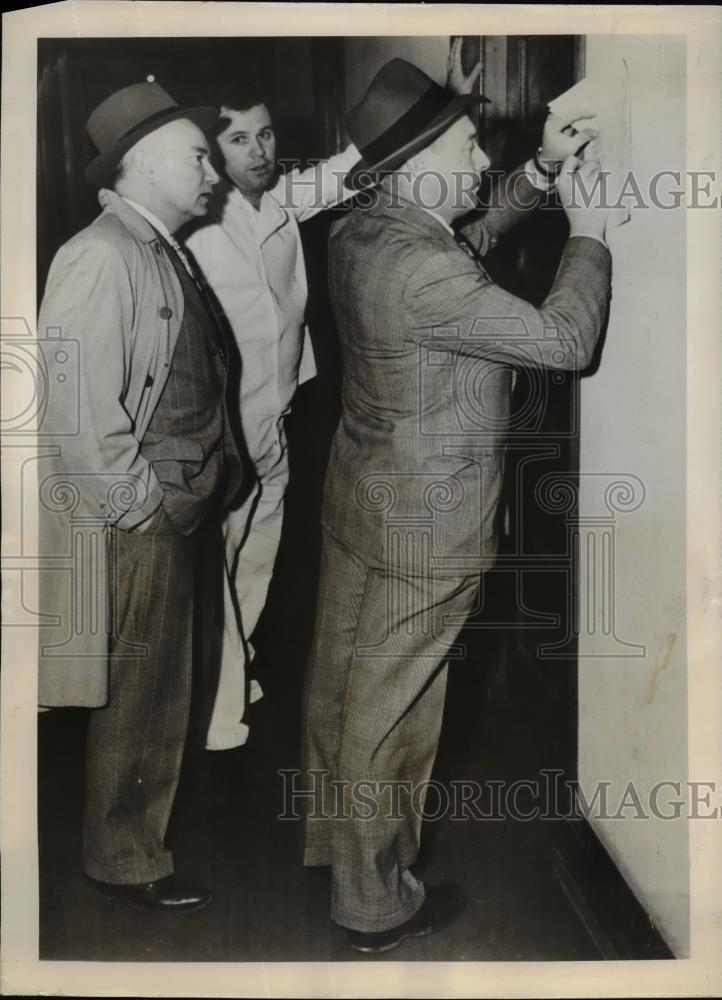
[
  {"x": 540, "y": 890},
  {"x": 226, "y": 832}
]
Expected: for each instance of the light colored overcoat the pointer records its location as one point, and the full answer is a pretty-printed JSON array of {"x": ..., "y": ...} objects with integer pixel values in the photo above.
[{"x": 108, "y": 325}]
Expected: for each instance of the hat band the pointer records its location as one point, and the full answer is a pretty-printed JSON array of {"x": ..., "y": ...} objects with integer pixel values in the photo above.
[
  {"x": 156, "y": 116},
  {"x": 408, "y": 126}
]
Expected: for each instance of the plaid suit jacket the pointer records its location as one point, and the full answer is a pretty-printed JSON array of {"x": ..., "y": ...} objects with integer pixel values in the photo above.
[{"x": 428, "y": 345}]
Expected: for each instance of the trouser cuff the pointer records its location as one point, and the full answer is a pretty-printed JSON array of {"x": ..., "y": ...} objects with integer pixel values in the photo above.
[
  {"x": 373, "y": 923},
  {"x": 132, "y": 872}
]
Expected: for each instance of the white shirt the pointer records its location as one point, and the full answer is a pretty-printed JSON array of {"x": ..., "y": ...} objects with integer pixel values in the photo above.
[
  {"x": 253, "y": 261},
  {"x": 153, "y": 219},
  {"x": 164, "y": 231}
]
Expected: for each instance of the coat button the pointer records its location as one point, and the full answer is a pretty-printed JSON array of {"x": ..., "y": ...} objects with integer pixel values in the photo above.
[{"x": 165, "y": 313}]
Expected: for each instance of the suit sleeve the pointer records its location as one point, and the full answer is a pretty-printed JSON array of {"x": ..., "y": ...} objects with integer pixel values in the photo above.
[
  {"x": 454, "y": 306},
  {"x": 512, "y": 198},
  {"x": 308, "y": 192},
  {"x": 90, "y": 300}
]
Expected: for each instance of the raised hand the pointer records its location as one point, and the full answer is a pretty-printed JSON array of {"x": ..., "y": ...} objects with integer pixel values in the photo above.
[
  {"x": 456, "y": 79},
  {"x": 560, "y": 140},
  {"x": 582, "y": 197}
]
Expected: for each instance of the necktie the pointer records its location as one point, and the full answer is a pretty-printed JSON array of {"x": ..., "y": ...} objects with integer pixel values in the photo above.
[
  {"x": 184, "y": 261},
  {"x": 218, "y": 340}
]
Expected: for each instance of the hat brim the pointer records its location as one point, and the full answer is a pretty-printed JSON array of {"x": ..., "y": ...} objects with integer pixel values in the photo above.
[
  {"x": 363, "y": 175},
  {"x": 100, "y": 170}
]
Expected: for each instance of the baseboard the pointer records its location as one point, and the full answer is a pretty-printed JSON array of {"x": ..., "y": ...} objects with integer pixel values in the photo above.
[{"x": 613, "y": 917}]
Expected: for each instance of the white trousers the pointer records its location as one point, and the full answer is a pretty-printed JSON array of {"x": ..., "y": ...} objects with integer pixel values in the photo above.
[{"x": 252, "y": 534}]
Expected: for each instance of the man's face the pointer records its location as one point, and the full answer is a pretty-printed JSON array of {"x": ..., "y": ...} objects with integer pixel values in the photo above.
[
  {"x": 458, "y": 161},
  {"x": 181, "y": 172},
  {"x": 248, "y": 144}
]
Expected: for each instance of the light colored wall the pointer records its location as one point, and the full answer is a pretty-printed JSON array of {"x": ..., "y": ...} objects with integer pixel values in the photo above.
[{"x": 633, "y": 711}]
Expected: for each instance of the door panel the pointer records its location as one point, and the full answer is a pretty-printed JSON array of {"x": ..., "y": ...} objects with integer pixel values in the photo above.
[{"x": 531, "y": 589}]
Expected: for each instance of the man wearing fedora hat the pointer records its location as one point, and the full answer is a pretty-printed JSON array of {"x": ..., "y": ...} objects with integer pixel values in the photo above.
[
  {"x": 249, "y": 248},
  {"x": 131, "y": 500},
  {"x": 429, "y": 344}
]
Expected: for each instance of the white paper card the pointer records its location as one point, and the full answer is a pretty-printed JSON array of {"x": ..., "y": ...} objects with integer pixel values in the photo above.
[{"x": 607, "y": 95}]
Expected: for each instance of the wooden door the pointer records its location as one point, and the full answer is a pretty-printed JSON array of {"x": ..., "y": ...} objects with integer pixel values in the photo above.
[{"x": 528, "y": 596}]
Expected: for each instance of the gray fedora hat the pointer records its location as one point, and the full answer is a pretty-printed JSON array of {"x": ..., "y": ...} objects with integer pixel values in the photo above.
[
  {"x": 126, "y": 116},
  {"x": 402, "y": 111}
]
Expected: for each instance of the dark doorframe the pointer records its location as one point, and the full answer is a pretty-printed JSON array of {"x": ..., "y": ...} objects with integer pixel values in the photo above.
[
  {"x": 301, "y": 77},
  {"x": 527, "y": 595}
]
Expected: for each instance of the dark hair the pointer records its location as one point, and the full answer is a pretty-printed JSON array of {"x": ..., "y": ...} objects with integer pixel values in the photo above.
[
  {"x": 238, "y": 95},
  {"x": 235, "y": 93}
]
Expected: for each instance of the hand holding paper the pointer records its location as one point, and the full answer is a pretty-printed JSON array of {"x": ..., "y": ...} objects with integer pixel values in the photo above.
[
  {"x": 585, "y": 219},
  {"x": 563, "y": 137},
  {"x": 606, "y": 97}
]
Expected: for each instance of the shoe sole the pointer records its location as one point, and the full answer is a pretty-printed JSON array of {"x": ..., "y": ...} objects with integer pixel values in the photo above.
[
  {"x": 119, "y": 898},
  {"x": 422, "y": 932},
  {"x": 380, "y": 949}
]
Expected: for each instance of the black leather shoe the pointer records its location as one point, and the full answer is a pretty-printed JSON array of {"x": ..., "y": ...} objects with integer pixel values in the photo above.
[
  {"x": 443, "y": 904},
  {"x": 167, "y": 895}
]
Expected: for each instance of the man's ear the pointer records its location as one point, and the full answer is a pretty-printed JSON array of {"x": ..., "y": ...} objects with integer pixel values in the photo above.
[
  {"x": 142, "y": 158},
  {"x": 143, "y": 162}
]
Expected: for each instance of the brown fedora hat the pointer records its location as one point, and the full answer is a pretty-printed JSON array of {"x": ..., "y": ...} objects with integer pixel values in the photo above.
[
  {"x": 126, "y": 116},
  {"x": 402, "y": 111}
]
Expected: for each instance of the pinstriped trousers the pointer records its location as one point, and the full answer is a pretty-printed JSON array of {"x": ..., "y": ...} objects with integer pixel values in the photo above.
[
  {"x": 373, "y": 705},
  {"x": 135, "y": 744}
]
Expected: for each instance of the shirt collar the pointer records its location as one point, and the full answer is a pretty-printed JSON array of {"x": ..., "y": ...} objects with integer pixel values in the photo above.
[
  {"x": 266, "y": 219},
  {"x": 236, "y": 195},
  {"x": 153, "y": 219}
]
